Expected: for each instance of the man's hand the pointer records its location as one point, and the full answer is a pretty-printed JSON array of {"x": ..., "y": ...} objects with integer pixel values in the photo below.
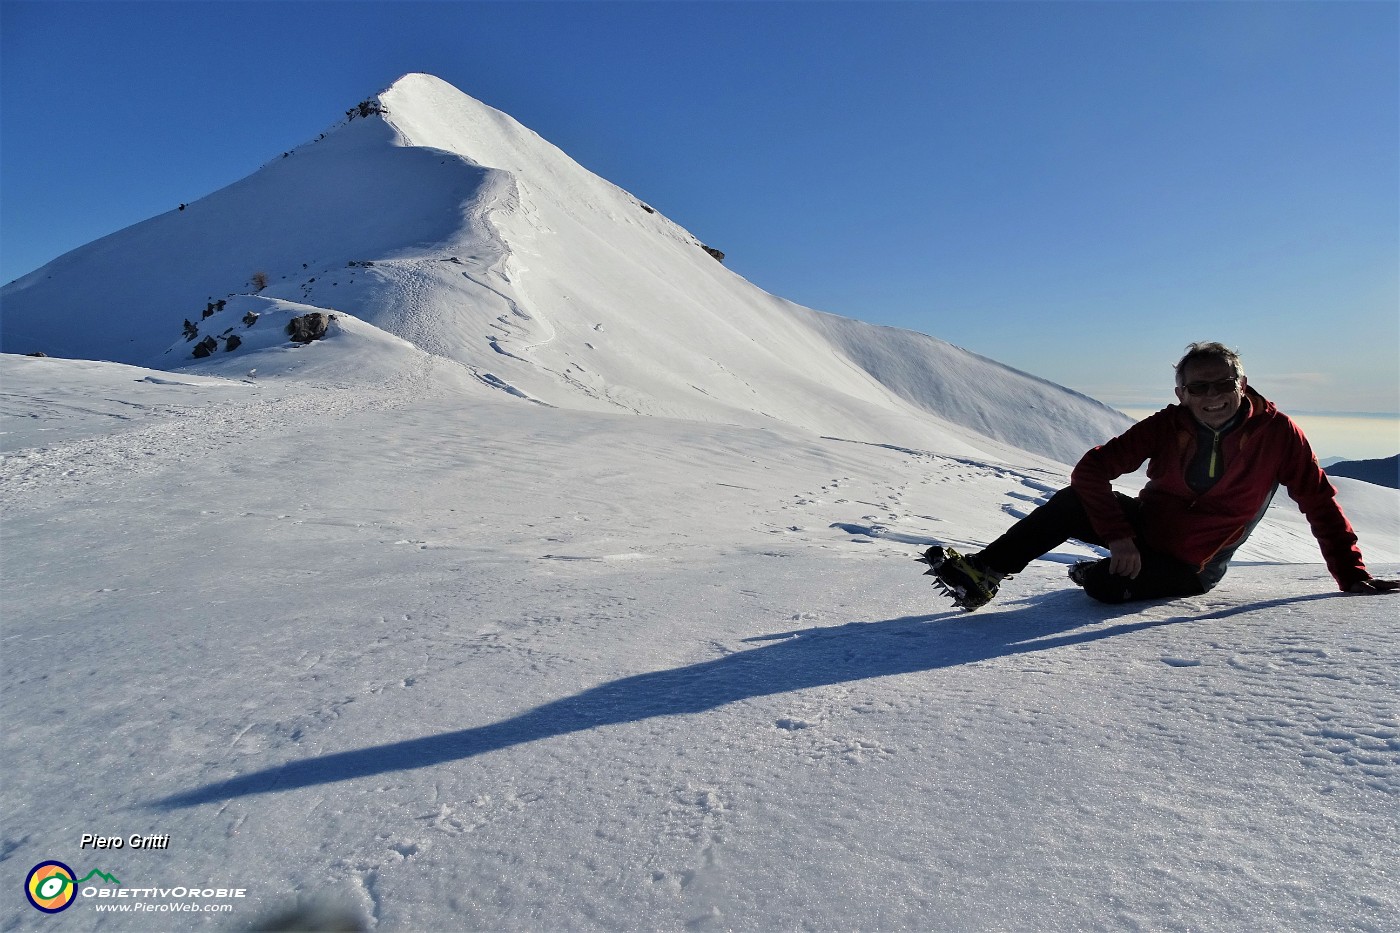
[
  {"x": 1373, "y": 586},
  {"x": 1126, "y": 559}
]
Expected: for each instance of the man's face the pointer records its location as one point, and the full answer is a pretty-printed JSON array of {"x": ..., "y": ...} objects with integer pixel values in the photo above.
[{"x": 1216, "y": 403}]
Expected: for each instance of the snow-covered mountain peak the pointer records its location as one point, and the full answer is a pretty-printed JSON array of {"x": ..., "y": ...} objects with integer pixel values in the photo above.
[
  {"x": 448, "y": 224},
  {"x": 426, "y": 112},
  {"x": 431, "y": 113}
]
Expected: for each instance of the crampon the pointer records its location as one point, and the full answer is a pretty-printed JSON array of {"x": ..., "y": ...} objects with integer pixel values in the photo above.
[{"x": 970, "y": 584}]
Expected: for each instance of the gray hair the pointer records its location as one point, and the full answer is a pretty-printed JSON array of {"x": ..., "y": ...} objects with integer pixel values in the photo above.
[{"x": 1208, "y": 350}]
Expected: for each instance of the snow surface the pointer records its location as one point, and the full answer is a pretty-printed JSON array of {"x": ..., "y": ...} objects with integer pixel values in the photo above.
[
  {"x": 453, "y": 661},
  {"x": 421, "y": 622}
]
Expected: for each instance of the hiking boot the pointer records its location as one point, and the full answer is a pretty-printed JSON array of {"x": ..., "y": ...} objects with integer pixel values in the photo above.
[
  {"x": 1079, "y": 573},
  {"x": 970, "y": 583}
]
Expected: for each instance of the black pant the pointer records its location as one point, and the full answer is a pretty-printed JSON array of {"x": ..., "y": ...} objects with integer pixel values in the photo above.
[{"x": 1062, "y": 518}]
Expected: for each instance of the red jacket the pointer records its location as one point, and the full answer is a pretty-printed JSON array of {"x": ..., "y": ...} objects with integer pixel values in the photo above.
[{"x": 1265, "y": 451}]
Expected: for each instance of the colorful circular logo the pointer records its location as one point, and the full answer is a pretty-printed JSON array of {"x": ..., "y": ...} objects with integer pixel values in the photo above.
[{"x": 50, "y": 887}]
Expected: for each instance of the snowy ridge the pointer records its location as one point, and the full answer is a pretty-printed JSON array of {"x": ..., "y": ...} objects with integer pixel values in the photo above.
[
  {"x": 992, "y": 399},
  {"x": 448, "y": 224}
]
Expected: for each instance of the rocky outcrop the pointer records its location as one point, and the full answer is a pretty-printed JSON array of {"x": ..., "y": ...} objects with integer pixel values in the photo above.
[{"x": 309, "y": 327}]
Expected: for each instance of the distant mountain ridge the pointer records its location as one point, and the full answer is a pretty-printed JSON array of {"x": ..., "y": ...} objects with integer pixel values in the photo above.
[
  {"x": 1382, "y": 472},
  {"x": 448, "y": 224}
]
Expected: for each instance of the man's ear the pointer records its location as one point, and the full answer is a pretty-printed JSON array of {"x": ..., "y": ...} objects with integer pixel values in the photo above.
[{"x": 1181, "y": 395}]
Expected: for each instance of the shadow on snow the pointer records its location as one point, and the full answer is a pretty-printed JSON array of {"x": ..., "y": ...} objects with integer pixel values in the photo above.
[{"x": 788, "y": 661}]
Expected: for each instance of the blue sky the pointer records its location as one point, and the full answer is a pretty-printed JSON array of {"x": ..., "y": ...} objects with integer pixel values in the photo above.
[{"x": 1076, "y": 189}]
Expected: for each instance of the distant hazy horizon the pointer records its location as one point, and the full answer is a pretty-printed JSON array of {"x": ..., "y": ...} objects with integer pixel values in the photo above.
[{"x": 1349, "y": 435}]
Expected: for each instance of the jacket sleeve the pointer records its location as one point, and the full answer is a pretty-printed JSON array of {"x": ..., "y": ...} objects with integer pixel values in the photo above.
[
  {"x": 1093, "y": 476},
  {"x": 1308, "y": 485}
]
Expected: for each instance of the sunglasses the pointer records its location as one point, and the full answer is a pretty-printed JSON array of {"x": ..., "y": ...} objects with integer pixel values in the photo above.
[{"x": 1218, "y": 387}]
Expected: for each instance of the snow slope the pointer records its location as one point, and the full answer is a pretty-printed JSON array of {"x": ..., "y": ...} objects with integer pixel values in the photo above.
[
  {"x": 447, "y": 661},
  {"x": 448, "y": 224}
]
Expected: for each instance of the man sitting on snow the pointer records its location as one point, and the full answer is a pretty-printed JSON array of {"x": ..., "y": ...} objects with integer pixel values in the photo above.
[{"x": 1214, "y": 463}]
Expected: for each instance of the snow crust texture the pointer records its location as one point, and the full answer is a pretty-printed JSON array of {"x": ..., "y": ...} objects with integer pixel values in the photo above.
[{"x": 448, "y": 661}]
